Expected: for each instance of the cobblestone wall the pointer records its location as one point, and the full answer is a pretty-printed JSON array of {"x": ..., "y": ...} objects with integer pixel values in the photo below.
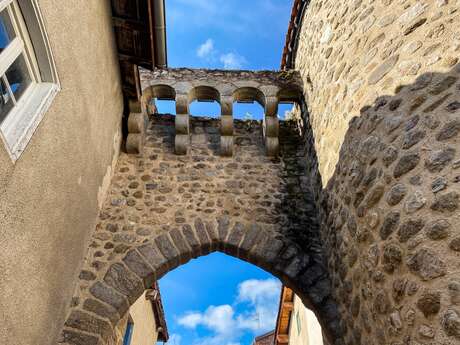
[
  {"x": 381, "y": 83},
  {"x": 164, "y": 209}
]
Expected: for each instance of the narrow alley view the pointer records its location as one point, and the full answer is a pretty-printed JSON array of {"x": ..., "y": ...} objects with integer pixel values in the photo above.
[{"x": 220, "y": 300}]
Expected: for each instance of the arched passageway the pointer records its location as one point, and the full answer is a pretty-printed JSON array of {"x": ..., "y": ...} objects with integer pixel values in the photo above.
[
  {"x": 206, "y": 304},
  {"x": 163, "y": 210}
]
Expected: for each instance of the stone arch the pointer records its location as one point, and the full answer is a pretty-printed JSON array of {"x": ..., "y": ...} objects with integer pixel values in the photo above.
[
  {"x": 290, "y": 95},
  {"x": 104, "y": 302},
  {"x": 249, "y": 94},
  {"x": 204, "y": 93},
  {"x": 161, "y": 212},
  {"x": 161, "y": 91}
]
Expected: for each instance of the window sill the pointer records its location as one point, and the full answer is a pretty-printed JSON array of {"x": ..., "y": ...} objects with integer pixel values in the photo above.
[{"x": 24, "y": 119}]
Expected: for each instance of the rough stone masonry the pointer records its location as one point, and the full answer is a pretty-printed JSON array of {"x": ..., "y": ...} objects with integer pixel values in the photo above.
[
  {"x": 164, "y": 209},
  {"x": 382, "y": 84},
  {"x": 360, "y": 215}
]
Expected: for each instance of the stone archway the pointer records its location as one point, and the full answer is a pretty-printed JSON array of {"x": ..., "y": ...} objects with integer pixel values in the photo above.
[{"x": 164, "y": 209}]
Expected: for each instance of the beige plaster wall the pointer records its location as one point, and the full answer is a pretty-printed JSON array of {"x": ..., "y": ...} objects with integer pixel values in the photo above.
[
  {"x": 304, "y": 328},
  {"x": 144, "y": 332},
  {"x": 49, "y": 198}
]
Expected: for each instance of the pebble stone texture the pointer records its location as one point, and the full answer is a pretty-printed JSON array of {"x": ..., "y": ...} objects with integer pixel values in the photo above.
[
  {"x": 382, "y": 84},
  {"x": 164, "y": 209}
]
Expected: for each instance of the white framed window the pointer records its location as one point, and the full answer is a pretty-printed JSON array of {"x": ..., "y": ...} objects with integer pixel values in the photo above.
[{"x": 28, "y": 78}]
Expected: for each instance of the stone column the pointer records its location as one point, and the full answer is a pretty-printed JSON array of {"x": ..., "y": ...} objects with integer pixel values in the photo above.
[
  {"x": 137, "y": 124},
  {"x": 271, "y": 126},
  {"x": 182, "y": 139},
  {"x": 226, "y": 129}
]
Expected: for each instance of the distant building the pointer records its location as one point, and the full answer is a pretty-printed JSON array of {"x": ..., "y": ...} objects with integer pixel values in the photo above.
[
  {"x": 295, "y": 324},
  {"x": 265, "y": 339},
  {"x": 145, "y": 323}
]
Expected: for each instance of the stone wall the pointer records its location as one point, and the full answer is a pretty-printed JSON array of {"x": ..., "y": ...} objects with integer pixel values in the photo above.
[
  {"x": 164, "y": 209},
  {"x": 381, "y": 82}
]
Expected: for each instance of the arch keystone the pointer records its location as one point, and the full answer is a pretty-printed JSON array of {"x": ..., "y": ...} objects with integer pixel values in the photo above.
[{"x": 223, "y": 228}]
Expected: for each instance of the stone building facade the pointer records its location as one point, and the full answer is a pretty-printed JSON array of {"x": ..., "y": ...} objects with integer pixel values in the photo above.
[
  {"x": 144, "y": 322},
  {"x": 296, "y": 324},
  {"x": 381, "y": 81}
]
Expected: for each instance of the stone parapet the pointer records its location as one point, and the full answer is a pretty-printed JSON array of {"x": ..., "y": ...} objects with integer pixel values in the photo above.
[{"x": 185, "y": 85}]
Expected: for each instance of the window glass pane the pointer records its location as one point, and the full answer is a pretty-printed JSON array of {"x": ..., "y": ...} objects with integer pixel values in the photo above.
[
  {"x": 6, "y": 29},
  {"x": 18, "y": 76},
  {"x": 6, "y": 103},
  {"x": 128, "y": 333}
]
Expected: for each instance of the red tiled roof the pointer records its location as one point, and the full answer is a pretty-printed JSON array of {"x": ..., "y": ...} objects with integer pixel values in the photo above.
[
  {"x": 265, "y": 339},
  {"x": 298, "y": 9}
]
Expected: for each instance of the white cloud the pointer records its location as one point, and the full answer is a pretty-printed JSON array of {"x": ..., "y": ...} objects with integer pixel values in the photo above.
[
  {"x": 191, "y": 320},
  {"x": 206, "y": 50},
  {"x": 174, "y": 339},
  {"x": 260, "y": 299},
  {"x": 232, "y": 61},
  {"x": 263, "y": 297},
  {"x": 220, "y": 319},
  {"x": 256, "y": 291}
]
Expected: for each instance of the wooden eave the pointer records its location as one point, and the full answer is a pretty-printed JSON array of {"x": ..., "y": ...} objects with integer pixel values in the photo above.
[
  {"x": 292, "y": 35},
  {"x": 133, "y": 24},
  {"x": 154, "y": 296},
  {"x": 283, "y": 322}
]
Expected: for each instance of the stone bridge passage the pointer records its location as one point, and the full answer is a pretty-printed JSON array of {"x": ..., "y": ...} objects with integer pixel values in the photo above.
[
  {"x": 185, "y": 85},
  {"x": 164, "y": 209}
]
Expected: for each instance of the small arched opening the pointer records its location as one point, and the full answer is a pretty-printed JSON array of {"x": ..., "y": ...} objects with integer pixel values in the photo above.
[
  {"x": 159, "y": 99},
  {"x": 288, "y": 101},
  {"x": 249, "y": 104},
  {"x": 204, "y": 101}
]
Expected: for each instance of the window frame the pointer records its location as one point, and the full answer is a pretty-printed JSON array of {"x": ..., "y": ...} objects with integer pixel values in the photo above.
[
  {"x": 128, "y": 335},
  {"x": 31, "y": 40}
]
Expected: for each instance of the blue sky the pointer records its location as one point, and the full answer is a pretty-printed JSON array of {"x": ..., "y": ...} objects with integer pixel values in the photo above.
[
  {"x": 219, "y": 300},
  {"x": 216, "y": 299},
  {"x": 230, "y": 34}
]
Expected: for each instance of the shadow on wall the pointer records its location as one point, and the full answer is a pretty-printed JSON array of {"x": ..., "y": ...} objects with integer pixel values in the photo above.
[{"x": 390, "y": 216}]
